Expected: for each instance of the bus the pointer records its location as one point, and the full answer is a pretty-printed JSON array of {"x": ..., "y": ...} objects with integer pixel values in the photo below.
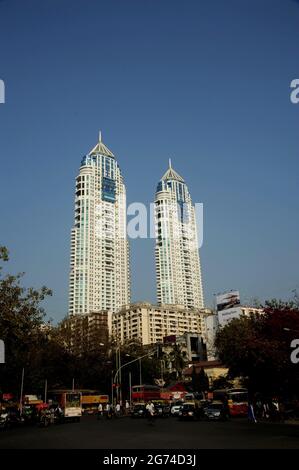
[
  {"x": 144, "y": 393},
  {"x": 69, "y": 402},
  {"x": 235, "y": 398},
  {"x": 91, "y": 400}
]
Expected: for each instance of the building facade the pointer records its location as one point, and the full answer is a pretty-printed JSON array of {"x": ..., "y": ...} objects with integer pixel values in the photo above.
[
  {"x": 227, "y": 315},
  {"x": 192, "y": 344},
  {"x": 178, "y": 268},
  {"x": 149, "y": 323},
  {"x": 86, "y": 333},
  {"x": 99, "y": 264}
]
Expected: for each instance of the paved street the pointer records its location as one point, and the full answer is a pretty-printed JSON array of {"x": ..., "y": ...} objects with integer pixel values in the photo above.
[{"x": 127, "y": 433}]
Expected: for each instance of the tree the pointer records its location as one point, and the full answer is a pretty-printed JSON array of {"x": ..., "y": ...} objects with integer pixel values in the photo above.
[
  {"x": 222, "y": 382},
  {"x": 178, "y": 359},
  {"x": 257, "y": 348},
  {"x": 29, "y": 342},
  {"x": 200, "y": 381},
  {"x": 21, "y": 317}
]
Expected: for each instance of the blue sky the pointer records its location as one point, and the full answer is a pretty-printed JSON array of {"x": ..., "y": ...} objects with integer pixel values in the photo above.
[{"x": 206, "y": 83}]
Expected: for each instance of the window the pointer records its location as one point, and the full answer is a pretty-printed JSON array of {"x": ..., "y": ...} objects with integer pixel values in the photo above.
[{"x": 108, "y": 189}]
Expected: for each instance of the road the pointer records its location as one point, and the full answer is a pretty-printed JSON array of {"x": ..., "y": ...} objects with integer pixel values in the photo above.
[{"x": 169, "y": 433}]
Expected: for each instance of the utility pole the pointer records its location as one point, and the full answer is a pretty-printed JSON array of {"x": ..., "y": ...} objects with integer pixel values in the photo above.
[
  {"x": 22, "y": 390},
  {"x": 162, "y": 372},
  {"x": 46, "y": 390},
  {"x": 140, "y": 373},
  {"x": 130, "y": 385},
  {"x": 119, "y": 377}
]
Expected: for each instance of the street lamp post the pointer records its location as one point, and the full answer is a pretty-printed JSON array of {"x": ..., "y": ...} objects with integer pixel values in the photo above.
[
  {"x": 118, "y": 368},
  {"x": 131, "y": 362},
  {"x": 140, "y": 372},
  {"x": 162, "y": 372},
  {"x": 130, "y": 385}
]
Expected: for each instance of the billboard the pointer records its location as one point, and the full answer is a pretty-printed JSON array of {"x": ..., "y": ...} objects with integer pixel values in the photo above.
[
  {"x": 227, "y": 300},
  {"x": 228, "y": 307},
  {"x": 225, "y": 316}
]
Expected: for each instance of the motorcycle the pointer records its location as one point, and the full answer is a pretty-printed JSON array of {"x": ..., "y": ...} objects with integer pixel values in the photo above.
[
  {"x": 45, "y": 419},
  {"x": 9, "y": 418}
]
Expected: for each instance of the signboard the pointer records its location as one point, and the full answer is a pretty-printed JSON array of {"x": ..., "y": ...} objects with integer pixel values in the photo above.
[
  {"x": 94, "y": 399},
  {"x": 7, "y": 396},
  {"x": 227, "y": 300},
  {"x": 225, "y": 316}
]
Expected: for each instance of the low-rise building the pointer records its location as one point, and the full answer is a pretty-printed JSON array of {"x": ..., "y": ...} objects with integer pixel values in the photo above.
[
  {"x": 192, "y": 344},
  {"x": 213, "y": 370},
  {"x": 226, "y": 315},
  {"x": 150, "y": 323}
]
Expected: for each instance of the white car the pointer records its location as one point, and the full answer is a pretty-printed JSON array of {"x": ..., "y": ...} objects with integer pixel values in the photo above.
[{"x": 175, "y": 409}]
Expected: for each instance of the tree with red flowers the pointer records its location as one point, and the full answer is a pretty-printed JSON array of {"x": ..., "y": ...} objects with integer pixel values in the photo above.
[{"x": 258, "y": 349}]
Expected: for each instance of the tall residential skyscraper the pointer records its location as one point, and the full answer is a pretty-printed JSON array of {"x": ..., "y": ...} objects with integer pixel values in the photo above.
[
  {"x": 177, "y": 255},
  {"x": 99, "y": 267}
]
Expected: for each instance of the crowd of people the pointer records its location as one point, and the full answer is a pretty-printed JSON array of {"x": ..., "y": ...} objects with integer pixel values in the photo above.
[
  {"x": 109, "y": 410},
  {"x": 271, "y": 409}
]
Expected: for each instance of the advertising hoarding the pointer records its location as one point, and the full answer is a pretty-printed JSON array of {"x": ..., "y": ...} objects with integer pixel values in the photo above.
[
  {"x": 225, "y": 316},
  {"x": 227, "y": 300}
]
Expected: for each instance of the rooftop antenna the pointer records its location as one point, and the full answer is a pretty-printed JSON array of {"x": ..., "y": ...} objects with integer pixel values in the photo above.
[
  {"x": 169, "y": 162},
  {"x": 100, "y": 136}
]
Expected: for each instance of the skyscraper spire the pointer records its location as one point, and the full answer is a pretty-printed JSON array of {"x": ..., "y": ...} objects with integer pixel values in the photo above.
[
  {"x": 171, "y": 174},
  {"x": 101, "y": 148}
]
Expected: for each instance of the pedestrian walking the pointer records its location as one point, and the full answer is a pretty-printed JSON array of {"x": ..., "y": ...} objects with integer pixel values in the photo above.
[
  {"x": 251, "y": 415},
  {"x": 259, "y": 408},
  {"x": 100, "y": 411},
  {"x": 150, "y": 408},
  {"x": 266, "y": 411},
  {"x": 108, "y": 411},
  {"x": 117, "y": 410}
]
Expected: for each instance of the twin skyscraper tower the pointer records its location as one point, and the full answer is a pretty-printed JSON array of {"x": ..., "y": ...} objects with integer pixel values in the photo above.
[{"x": 99, "y": 260}]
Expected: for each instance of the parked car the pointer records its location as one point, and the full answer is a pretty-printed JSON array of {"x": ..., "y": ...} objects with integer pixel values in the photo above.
[
  {"x": 162, "y": 410},
  {"x": 138, "y": 411},
  {"x": 190, "y": 411},
  {"x": 216, "y": 411},
  {"x": 175, "y": 409}
]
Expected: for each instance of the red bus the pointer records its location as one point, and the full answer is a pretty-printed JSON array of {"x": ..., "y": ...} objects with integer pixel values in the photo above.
[
  {"x": 145, "y": 393},
  {"x": 236, "y": 399}
]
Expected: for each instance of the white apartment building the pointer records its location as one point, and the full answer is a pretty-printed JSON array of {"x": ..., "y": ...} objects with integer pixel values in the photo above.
[
  {"x": 99, "y": 265},
  {"x": 226, "y": 315},
  {"x": 151, "y": 323},
  {"x": 178, "y": 268}
]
